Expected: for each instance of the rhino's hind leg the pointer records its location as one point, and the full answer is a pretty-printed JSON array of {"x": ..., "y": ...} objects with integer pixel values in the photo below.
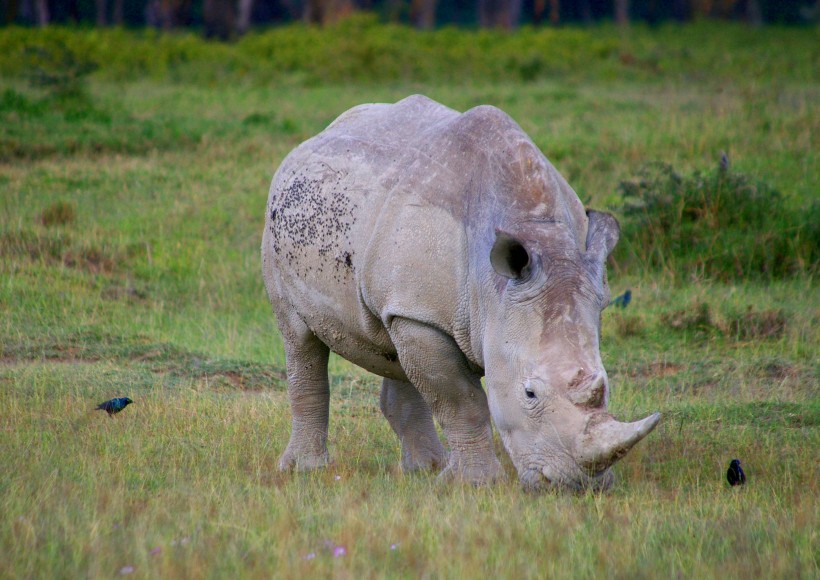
[
  {"x": 309, "y": 394},
  {"x": 438, "y": 369},
  {"x": 410, "y": 418}
]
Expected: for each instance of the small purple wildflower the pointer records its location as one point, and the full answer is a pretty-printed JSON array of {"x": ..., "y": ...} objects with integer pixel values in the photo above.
[
  {"x": 339, "y": 551},
  {"x": 126, "y": 570},
  {"x": 309, "y": 556},
  {"x": 338, "y": 477},
  {"x": 155, "y": 551},
  {"x": 393, "y": 546}
]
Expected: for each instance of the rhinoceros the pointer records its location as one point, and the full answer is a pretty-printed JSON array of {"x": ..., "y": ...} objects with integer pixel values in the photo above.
[{"x": 434, "y": 248}]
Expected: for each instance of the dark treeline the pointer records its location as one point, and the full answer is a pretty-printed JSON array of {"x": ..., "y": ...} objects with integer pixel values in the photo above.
[{"x": 227, "y": 18}]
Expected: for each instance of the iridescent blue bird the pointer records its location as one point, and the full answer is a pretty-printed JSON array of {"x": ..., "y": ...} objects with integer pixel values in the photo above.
[
  {"x": 623, "y": 300},
  {"x": 735, "y": 474},
  {"x": 114, "y": 405}
]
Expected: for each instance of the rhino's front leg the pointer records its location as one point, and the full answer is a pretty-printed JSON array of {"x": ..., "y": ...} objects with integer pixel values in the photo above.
[
  {"x": 437, "y": 367},
  {"x": 309, "y": 394},
  {"x": 410, "y": 418}
]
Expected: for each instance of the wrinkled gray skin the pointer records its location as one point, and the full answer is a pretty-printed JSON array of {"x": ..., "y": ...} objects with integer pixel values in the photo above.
[{"x": 431, "y": 248}]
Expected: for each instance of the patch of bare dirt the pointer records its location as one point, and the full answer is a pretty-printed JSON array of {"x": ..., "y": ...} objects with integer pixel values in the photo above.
[{"x": 657, "y": 369}]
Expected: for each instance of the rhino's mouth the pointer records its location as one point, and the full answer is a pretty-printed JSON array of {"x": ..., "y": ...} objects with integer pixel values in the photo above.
[{"x": 535, "y": 480}]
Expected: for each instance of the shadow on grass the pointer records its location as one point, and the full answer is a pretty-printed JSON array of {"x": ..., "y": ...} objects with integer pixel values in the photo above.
[
  {"x": 774, "y": 415},
  {"x": 157, "y": 357}
]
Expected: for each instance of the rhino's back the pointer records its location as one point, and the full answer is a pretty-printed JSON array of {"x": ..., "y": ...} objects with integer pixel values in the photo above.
[{"x": 328, "y": 193}]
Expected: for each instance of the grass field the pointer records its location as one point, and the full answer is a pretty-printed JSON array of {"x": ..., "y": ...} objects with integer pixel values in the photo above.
[{"x": 131, "y": 213}]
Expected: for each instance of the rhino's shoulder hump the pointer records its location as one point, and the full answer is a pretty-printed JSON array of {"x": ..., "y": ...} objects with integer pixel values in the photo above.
[
  {"x": 486, "y": 119},
  {"x": 492, "y": 133},
  {"x": 422, "y": 104},
  {"x": 402, "y": 121},
  {"x": 356, "y": 115}
]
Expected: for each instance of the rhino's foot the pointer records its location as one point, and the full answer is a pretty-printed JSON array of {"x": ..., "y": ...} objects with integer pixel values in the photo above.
[
  {"x": 424, "y": 459},
  {"x": 410, "y": 418},
  {"x": 484, "y": 473},
  {"x": 292, "y": 460}
]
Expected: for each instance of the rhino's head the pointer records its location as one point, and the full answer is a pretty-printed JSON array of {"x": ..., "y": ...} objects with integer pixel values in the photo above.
[{"x": 548, "y": 390}]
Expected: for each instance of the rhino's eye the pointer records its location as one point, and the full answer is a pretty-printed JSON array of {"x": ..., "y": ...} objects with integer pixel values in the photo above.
[{"x": 529, "y": 392}]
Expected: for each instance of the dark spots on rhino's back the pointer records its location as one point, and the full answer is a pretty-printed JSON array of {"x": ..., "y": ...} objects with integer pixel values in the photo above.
[
  {"x": 311, "y": 220},
  {"x": 344, "y": 261}
]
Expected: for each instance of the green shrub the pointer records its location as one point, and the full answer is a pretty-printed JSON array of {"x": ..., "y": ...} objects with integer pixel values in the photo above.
[
  {"x": 362, "y": 49},
  {"x": 57, "y": 68},
  {"x": 717, "y": 224}
]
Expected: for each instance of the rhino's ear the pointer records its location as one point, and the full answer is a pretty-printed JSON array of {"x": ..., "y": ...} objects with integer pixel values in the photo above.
[
  {"x": 509, "y": 257},
  {"x": 602, "y": 234}
]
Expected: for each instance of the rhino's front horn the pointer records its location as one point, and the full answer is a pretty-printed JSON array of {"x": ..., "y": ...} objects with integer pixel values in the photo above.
[{"x": 606, "y": 440}]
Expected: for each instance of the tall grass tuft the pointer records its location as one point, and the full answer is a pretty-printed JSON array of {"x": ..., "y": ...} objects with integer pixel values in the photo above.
[{"x": 59, "y": 213}]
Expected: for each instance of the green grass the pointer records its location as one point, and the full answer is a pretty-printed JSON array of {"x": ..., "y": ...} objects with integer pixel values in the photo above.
[{"x": 131, "y": 211}]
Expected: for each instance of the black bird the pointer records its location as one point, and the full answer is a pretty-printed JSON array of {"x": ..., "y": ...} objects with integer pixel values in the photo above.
[
  {"x": 114, "y": 405},
  {"x": 735, "y": 475},
  {"x": 623, "y": 300},
  {"x": 724, "y": 162}
]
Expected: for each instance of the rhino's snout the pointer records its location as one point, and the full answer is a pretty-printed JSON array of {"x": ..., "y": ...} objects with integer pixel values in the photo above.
[
  {"x": 535, "y": 480},
  {"x": 584, "y": 465}
]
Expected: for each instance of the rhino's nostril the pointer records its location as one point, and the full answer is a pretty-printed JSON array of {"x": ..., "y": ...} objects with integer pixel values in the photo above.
[
  {"x": 589, "y": 390},
  {"x": 578, "y": 379},
  {"x": 597, "y": 393}
]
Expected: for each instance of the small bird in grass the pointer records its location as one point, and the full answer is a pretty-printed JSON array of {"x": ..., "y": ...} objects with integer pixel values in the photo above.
[
  {"x": 724, "y": 162},
  {"x": 114, "y": 405},
  {"x": 735, "y": 475},
  {"x": 623, "y": 300}
]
